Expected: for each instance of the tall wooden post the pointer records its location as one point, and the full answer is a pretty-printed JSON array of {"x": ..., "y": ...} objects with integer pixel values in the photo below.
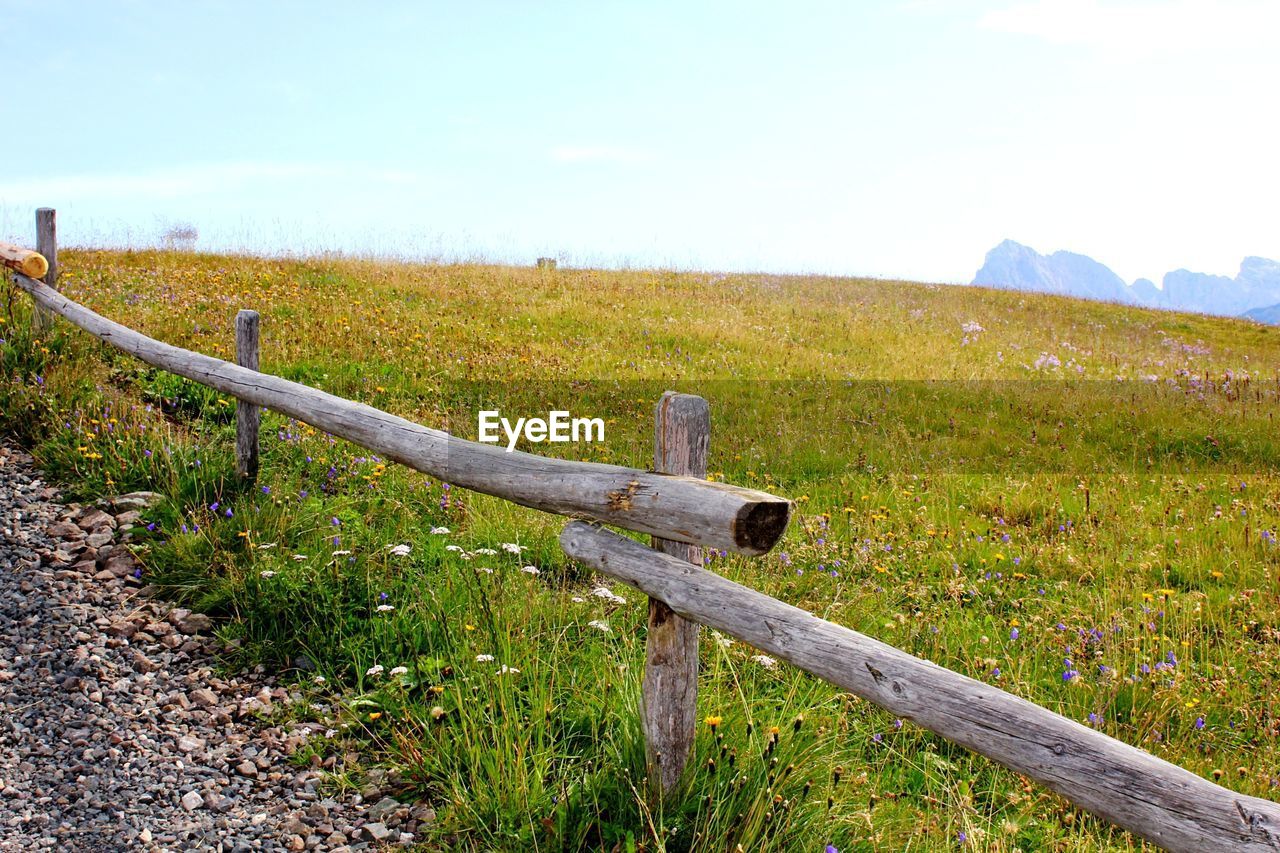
[
  {"x": 47, "y": 245},
  {"x": 247, "y": 414},
  {"x": 682, "y": 432}
]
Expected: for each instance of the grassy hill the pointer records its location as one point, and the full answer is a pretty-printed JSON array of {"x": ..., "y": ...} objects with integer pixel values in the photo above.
[{"x": 1072, "y": 500}]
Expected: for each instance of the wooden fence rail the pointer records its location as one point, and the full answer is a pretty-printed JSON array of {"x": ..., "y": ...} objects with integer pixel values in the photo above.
[
  {"x": 683, "y": 509},
  {"x": 25, "y": 261},
  {"x": 1133, "y": 789}
]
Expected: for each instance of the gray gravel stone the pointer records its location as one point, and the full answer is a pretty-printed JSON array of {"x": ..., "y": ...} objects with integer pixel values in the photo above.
[{"x": 115, "y": 733}]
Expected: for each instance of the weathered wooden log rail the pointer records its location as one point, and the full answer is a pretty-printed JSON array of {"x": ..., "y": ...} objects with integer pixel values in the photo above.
[
  {"x": 1132, "y": 789},
  {"x": 25, "y": 261},
  {"x": 682, "y": 509}
]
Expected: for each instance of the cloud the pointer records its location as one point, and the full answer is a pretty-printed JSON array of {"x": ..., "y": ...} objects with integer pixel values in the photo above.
[
  {"x": 597, "y": 154},
  {"x": 1140, "y": 26},
  {"x": 185, "y": 181}
]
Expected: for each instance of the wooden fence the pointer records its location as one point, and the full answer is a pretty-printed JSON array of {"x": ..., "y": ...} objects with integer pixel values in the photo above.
[{"x": 1132, "y": 789}]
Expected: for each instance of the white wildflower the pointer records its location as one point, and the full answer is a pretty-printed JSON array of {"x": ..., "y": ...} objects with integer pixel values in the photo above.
[
  {"x": 765, "y": 661},
  {"x": 386, "y": 608},
  {"x": 577, "y": 599},
  {"x": 488, "y": 552},
  {"x": 268, "y": 546},
  {"x": 374, "y": 670},
  {"x": 530, "y": 570},
  {"x": 319, "y": 679},
  {"x": 439, "y": 531},
  {"x": 340, "y": 553},
  {"x": 512, "y": 548},
  {"x": 484, "y": 658},
  {"x": 399, "y": 670},
  {"x": 267, "y": 574},
  {"x": 508, "y": 670},
  {"x": 484, "y": 570},
  {"x": 400, "y": 550},
  {"x": 330, "y": 732},
  {"x": 721, "y": 640},
  {"x": 455, "y": 548},
  {"x": 600, "y": 625},
  {"x": 301, "y": 557},
  {"x": 608, "y": 595}
]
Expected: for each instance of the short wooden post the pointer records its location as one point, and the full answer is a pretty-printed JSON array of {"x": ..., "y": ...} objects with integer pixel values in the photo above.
[
  {"x": 682, "y": 432},
  {"x": 47, "y": 245},
  {"x": 247, "y": 414}
]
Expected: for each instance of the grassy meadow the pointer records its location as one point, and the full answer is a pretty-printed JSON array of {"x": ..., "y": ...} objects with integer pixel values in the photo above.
[{"x": 1074, "y": 501}]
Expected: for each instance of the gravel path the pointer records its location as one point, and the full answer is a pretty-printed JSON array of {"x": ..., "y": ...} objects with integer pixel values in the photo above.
[{"x": 115, "y": 734}]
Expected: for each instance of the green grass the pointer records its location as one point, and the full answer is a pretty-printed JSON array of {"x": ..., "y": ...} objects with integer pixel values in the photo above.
[{"x": 1100, "y": 480}]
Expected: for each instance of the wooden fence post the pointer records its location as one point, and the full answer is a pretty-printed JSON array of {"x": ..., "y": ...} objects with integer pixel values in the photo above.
[
  {"x": 47, "y": 245},
  {"x": 247, "y": 414},
  {"x": 682, "y": 432}
]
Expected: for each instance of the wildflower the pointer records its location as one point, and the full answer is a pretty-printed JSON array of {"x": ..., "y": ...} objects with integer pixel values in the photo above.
[
  {"x": 436, "y": 712},
  {"x": 1094, "y": 719},
  {"x": 765, "y": 661},
  {"x": 385, "y": 608},
  {"x": 600, "y": 625},
  {"x": 399, "y": 670},
  {"x": 577, "y": 599},
  {"x": 608, "y": 595},
  {"x": 375, "y": 715},
  {"x": 374, "y": 670},
  {"x": 300, "y": 557},
  {"x": 488, "y": 552},
  {"x": 713, "y": 722},
  {"x": 439, "y": 531},
  {"x": 512, "y": 548},
  {"x": 399, "y": 550},
  {"x": 484, "y": 658},
  {"x": 831, "y": 848},
  {"x": 340, "y": 553},
  {"x": 455, "y": 548},
  {"x": 213, "y": 507},
  {"x": 228, "y": 513},
  {"x": 1013, "y": 635},
  {"x": 267, "y": 574},
  {"x": 530, "y": 570},
  {"x": 1199, "y": 722},
  {"x": 508, "y": 670},
  {"x": 319, "y": 679}
]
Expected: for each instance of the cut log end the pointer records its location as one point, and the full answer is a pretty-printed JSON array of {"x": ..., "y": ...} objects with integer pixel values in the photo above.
[
  {"x": 759, "y": 526},
  {"x": 35, "y": 266}
]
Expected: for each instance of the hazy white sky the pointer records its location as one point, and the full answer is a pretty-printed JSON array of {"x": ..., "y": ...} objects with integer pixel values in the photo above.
[{"x": 879, "y": 138}]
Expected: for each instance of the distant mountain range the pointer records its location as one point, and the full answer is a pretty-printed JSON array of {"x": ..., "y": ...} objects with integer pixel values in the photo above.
[{"x": 1253, "y": 293}]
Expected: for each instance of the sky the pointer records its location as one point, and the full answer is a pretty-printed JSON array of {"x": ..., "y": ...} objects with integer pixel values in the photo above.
[{"x": 899, "y": 139}]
